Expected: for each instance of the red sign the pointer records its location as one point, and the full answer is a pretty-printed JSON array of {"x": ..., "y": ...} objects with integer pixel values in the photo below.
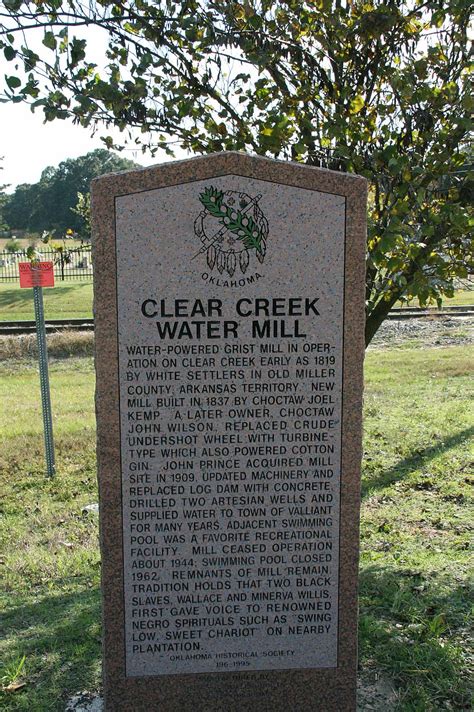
[{"x": 40, "y": 274}]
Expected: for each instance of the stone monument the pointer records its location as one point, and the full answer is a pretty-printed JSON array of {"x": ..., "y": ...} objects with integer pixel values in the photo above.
[{"x": 229, "y": 314}]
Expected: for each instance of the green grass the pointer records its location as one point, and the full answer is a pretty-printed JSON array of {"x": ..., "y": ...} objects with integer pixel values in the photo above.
[
  {"x": 414, "y": 588},
  {"x": 50, "y": 554},
  {"x": 66, "y": 300},
  {"x": 22, "y": 241},
  {"x": 461, "y": 297},
  {"x": 417, "y": 523}
]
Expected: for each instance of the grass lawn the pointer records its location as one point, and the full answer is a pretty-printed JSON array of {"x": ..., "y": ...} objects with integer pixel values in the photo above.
[
  {"x": 21, "y": 241},
  {"x": 68, "y": 300},
  {"x": 461, "y": 298},
  {"x": 414, "y": 588},
  {"x": 74, "y": 300}
]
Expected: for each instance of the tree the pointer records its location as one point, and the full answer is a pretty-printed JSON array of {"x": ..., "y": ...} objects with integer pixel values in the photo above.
[
  {"x": 83, "y": 210},
  {"x": 376, "y": 87},
  {"x": 3, "y": 199},
  {"x": 51, "y": 204},
  {"x": 19, "y": 206}
]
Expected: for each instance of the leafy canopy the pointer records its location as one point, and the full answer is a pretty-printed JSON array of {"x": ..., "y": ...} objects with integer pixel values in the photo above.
[
  {"x": 59, "y": 201},
  {"x": 373, "y": 87}
]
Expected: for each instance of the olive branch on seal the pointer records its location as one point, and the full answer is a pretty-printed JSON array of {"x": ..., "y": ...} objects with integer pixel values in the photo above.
[{"x": 241, "y": 224}]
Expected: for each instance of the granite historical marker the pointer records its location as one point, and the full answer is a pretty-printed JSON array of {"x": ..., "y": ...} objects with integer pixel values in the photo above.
[{"x": 229, "y": 302}]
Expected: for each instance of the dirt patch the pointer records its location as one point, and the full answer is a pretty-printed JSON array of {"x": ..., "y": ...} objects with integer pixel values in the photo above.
[
  {"x": 441, "y": 331},
  {"x": 60, "y": 345},
  {"x": 85, "y": 702},
  {"x": 429, "y": 331},
  {"x": 376, "y": 693}
]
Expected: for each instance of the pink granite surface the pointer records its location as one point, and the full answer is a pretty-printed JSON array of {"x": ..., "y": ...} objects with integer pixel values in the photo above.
[{"x": 296, "y": 689}]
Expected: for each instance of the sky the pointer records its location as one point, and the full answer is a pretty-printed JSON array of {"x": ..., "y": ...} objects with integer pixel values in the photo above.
[{"x": 28, "y": 145}]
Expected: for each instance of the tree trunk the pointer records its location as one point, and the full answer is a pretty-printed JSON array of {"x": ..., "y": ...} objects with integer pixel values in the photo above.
[
  {"x": 383, "y": 306},
  {"x": 378, "y": 315}
]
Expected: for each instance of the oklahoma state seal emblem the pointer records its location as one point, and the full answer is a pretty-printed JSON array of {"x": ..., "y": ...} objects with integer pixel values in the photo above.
[{"x": 232, "y": 229}]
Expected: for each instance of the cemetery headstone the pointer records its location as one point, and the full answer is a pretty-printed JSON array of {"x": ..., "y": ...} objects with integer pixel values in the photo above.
[{"x": 229, "y": 313}]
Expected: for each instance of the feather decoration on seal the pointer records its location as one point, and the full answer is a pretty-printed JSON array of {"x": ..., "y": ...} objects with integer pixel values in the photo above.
[
  {"x": 221, "y": 261},
  {"x": 198, "y": 226},
  {"x": 244, "y": 260},
  {"x": 211, "y": 257},
  {"x": 231, "y": 263},
  {"x": 261, "y": 250}
]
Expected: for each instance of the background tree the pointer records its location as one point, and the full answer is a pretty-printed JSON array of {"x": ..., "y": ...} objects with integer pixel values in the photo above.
[
  {"x": 20, "y": 207},
  {"x": 52, "y": 203},
  {"x": 3, "y": 199},
  {"x": 380, "y": 88},
  {"x": 83, "y": 210}
]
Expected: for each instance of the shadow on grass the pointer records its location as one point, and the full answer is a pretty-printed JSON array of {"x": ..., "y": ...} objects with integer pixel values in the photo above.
[
  {"x": 59, "y": 635},
  {"x": 17, "y": 297},
  {"x": 410, "y": 463},
  {"x": 415, "y": 627}
]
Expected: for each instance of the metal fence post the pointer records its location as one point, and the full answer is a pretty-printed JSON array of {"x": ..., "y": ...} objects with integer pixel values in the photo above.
[{"x": 44, "y": 381}]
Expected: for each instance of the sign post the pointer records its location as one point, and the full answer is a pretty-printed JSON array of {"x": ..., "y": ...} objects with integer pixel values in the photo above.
[{"x": 38, "y": 275}]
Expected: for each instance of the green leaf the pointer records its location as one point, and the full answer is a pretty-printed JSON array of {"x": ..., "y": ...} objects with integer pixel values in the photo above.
[
  {"x": 9, "y": 53},
  {"x": 30, "y": 59},
  {"x": 211, "y": 199},
  {"x": 77, "y": 51},
  {"x": 357, "y": 104},
  {"x": 130, "y": 28},
  {"x": 13, "y": 82},
  {"x": 387, "y": 242},
  {"x": 49, "y": 40}
]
